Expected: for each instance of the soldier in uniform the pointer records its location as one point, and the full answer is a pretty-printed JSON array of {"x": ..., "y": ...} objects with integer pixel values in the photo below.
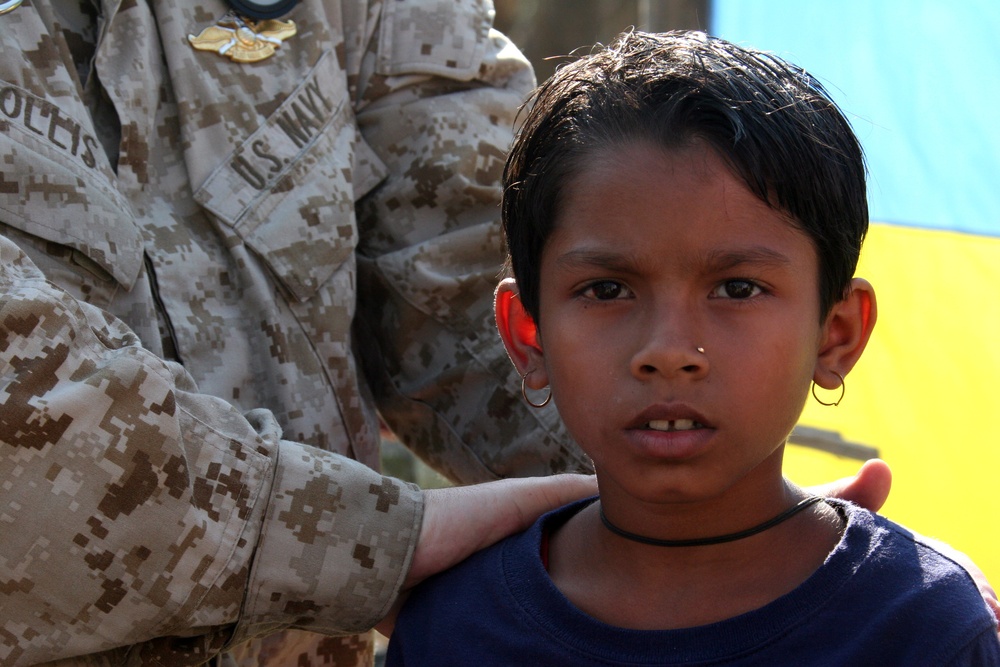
[{"x": 230, "y": 244}]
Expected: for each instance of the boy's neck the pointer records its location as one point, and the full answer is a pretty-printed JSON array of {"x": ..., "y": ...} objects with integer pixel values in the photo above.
[{"x": 628, "y": 584}]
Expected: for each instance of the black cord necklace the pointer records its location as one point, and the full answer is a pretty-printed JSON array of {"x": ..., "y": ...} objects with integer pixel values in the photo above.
[{"x": 704, "y": 541}]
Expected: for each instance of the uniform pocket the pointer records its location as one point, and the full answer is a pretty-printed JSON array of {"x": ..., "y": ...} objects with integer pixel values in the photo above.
[
  {"x": 288, "y": 191},
  {"x": 447, "y": 38},
  {"x": 56, "y": 185}
]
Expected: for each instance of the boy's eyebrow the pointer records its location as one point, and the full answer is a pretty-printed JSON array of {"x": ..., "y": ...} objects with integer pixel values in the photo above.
[
  {"x": 715, "y": 260},
  {"x": 589, "y": 257},
  {"x": 721, "y": 260}
]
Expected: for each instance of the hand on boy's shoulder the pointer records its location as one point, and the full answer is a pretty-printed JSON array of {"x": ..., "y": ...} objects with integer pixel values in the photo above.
[
  {"x": 869, "y": 488},
  {"x": 459, "y": 521}
]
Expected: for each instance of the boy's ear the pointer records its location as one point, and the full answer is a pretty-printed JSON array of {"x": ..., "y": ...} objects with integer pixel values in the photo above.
[
  {"x": 519, "y": 333},
  {"x": 847, "y": 329}
]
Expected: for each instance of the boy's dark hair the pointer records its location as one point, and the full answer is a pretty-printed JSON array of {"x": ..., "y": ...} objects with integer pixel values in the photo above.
[{"x": 769, "y": 120}]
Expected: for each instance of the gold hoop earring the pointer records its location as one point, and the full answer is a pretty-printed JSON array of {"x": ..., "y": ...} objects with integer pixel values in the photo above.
[
  {"x": 843, "y": 388},
  {"x": 527, "y": 400}
]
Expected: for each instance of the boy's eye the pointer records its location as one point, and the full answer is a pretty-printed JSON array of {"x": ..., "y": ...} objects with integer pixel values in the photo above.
[
  {"x": 605, "y": 290},
  {"x": 736, "y": 289}
]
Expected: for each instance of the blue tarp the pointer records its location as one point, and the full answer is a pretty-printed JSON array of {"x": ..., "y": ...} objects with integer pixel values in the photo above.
[{"x": 920, "y": 80}]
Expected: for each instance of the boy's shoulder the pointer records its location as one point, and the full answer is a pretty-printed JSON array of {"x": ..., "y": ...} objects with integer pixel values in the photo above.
[
  {"x": 878, "y": 552},
  {"x": 888, "y": 548},
  {"x": 473, "y": 611},
  {"x": 906, "y": 596},
  {"x": 513, "y": 560},
  {"x": 883, "y": 596}
]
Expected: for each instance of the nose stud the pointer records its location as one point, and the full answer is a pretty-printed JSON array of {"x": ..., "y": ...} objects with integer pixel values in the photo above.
[{"x": 700, "y": 349}]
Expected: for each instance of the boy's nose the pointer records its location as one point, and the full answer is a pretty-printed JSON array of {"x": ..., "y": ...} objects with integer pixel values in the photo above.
[{"x": 670, "y": 353}]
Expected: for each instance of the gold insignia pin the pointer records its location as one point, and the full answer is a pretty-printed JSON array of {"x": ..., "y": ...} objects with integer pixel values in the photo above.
[
  {"x": 9, "y": 5},
  {"x": 243, "y": 40}
]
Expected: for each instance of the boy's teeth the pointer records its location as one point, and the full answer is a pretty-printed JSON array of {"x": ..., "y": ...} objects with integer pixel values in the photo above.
[{"x": 672, "y": 424}]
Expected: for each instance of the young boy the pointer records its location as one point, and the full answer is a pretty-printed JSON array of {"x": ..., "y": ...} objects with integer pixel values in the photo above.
[{"x": 684, "y": 218}]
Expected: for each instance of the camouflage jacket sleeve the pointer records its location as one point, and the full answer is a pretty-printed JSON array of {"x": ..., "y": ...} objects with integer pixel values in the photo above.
[
  {"x": 135, "y": 509},
  {"x": 439, "y": 108}
]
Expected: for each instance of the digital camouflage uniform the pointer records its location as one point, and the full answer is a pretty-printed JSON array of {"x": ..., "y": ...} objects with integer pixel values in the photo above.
[{"x": 199, "y": 257}]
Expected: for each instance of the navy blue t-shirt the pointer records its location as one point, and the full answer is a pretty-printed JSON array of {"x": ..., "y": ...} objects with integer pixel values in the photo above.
[{"x": 881, "y": 598}]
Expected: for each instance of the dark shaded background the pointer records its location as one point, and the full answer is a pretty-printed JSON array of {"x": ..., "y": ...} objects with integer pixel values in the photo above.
[{"x": 548, "y": 29}]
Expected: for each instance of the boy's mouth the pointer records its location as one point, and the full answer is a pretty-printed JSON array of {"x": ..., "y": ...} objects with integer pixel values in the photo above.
[{"x": 673, "y": 424}]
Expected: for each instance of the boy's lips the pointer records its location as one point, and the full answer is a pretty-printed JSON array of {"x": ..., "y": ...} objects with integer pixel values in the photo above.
[
  {"x": 670, "y": 417},
  {"x": 670, "y": 431}
]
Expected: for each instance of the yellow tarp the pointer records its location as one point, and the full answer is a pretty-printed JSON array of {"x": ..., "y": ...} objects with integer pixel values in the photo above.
[{"x": 926, "y": 393}]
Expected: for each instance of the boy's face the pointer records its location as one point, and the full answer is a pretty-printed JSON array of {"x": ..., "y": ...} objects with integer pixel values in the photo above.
[{"x": 654, "y": 255}]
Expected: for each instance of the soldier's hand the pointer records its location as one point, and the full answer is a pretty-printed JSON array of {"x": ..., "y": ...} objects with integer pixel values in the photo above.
[
  {"x": 460, "y": 521},
  {"x": 869, "y": 488}
]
